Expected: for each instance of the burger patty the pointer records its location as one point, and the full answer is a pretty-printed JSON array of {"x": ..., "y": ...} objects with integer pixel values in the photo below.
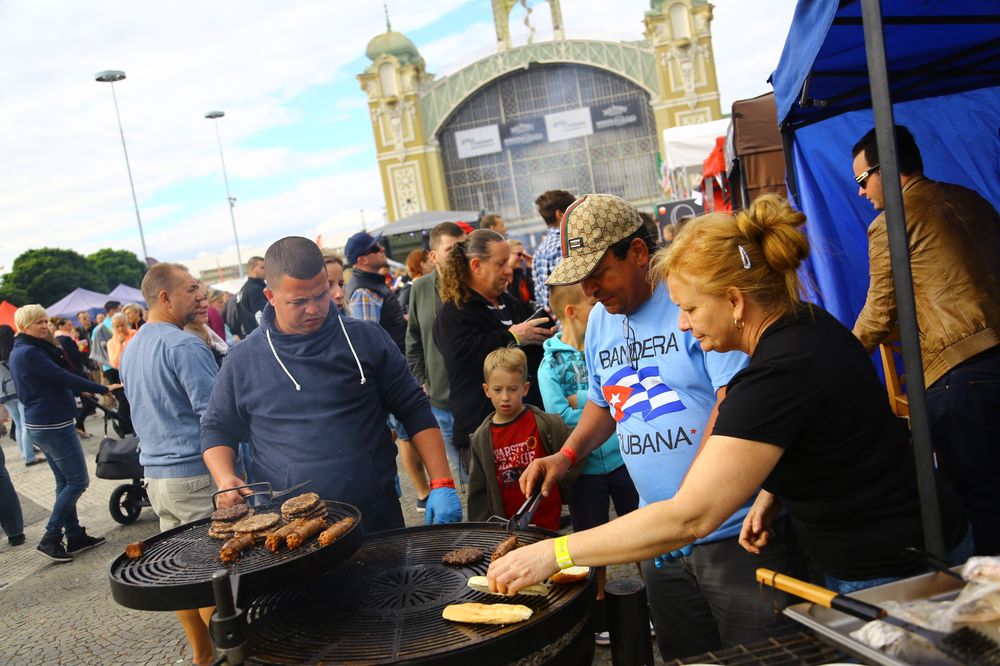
[
  {"x": 463, "y": 556},
  {"x": 232, "y": 513}
]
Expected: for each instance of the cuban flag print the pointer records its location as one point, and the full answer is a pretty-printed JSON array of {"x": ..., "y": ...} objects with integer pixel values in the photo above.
[{"x": 642, "y": 392}]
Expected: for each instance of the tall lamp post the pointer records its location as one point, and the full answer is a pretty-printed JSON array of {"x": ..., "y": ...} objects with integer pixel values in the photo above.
[
  {"x": 215, "y": 115},
  {"x": 111, "y": 76}
]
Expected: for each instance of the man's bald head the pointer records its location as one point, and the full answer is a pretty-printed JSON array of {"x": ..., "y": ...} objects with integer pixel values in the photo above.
[{"x": 295, "y": 256}]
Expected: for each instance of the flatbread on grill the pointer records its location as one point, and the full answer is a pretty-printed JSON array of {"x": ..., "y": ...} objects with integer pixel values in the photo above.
[
  {"x": 222, "y": 531},
  {"x": 302, "y": 504},
  {"x": 232, "y": 514},
  {"x": 473, "y": 613},
  {"x": 261, "y": 522},
  {"x": 481, "y": 584}
]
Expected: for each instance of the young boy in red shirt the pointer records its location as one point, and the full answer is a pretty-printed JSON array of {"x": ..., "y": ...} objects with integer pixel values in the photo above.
[{"x": 508, "y": 440}]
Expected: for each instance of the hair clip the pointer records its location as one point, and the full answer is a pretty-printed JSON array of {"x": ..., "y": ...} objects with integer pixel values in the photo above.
[{"x": 744, "y": 256}]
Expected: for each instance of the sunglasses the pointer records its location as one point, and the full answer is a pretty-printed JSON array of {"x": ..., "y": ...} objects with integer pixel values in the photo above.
[
  {"x": 862, "y": 178},
  {"x": 375, "y": 249}
]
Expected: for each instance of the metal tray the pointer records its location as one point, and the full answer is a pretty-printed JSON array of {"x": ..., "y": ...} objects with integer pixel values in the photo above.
[{"x": 835, "y": 626}]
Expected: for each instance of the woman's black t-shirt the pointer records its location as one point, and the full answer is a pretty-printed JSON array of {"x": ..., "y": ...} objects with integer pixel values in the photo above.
[{"x": 847, "y": 475}]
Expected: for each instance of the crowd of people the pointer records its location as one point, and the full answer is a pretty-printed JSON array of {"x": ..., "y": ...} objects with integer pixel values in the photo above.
[{"x": 731, "y": 424}]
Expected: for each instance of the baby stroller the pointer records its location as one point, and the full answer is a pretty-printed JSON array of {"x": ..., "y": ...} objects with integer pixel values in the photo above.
[{"x": 119, "y": 459}]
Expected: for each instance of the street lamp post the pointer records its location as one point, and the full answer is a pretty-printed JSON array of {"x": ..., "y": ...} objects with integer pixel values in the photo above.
[
  {"x": 215, "y": 115},
  {"x": 111, "y": 76}
]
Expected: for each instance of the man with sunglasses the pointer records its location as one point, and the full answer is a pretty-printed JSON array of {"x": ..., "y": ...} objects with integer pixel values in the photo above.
[
  {"x": 368, "y": 296},
  {"x": 655, "y": 386},
  {"x": 954, "y": 240}
]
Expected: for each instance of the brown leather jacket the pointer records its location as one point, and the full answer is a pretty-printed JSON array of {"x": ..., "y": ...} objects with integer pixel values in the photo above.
[{"x": 954, "y": 240}]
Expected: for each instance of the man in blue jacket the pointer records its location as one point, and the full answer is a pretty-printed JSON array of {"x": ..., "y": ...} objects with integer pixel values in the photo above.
[{"x": 309, "y": 390}]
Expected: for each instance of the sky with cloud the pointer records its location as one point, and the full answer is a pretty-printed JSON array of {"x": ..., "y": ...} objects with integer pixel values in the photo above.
[{"x": 296, "y": 136}]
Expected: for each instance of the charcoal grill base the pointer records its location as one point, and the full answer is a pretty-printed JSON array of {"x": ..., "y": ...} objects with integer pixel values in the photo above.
[{"x": 383, "y": 605}]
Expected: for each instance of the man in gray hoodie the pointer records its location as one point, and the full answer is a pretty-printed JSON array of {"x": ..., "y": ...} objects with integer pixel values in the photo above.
[{"x": 310, "y": 389}]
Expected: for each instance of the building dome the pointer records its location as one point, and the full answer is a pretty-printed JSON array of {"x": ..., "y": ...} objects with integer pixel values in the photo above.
[{"x": 394, "y": 44}]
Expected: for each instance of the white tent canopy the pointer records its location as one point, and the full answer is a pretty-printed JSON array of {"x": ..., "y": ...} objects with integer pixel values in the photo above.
[{"x": 689, "y": 145}]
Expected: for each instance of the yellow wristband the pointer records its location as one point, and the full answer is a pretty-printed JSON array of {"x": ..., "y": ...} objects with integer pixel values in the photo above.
[
  {"x": 517, "y": 340},
  {"x": 562, "y": 552}
]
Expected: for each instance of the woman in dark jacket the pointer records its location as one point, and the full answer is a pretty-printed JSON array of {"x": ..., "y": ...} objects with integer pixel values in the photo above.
[
  {"x": 477, "y": 315},
  {"x": 46, "y": 388}
]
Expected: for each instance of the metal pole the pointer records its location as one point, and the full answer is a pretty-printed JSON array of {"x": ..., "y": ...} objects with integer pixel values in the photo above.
[
  {"x": 128, "y": 167},
  {"x": 902, "y": 277},
  {"x": 214, "y": 116}
]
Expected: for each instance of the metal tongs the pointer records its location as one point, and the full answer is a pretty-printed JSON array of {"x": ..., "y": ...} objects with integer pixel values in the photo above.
[
  {"x": 266, "y": 489},
  {"x": 522, "y": 518}
]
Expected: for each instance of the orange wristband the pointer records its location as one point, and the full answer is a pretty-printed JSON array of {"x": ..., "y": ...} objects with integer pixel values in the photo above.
[
  {"x": 442, "y": 483},
  {"x": 569, "y": 453}
]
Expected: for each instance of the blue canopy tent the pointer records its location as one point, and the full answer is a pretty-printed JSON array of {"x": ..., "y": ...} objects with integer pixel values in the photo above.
[
  {"x": 127, "y": 294},
  {"x": 848, "y": 65},
  {"x": 78, "y": 300}
]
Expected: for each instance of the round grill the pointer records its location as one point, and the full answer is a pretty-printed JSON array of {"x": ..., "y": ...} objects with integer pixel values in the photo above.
[
  {"x": 384, "y": 605},
  {"x": 176, "y": 570}
]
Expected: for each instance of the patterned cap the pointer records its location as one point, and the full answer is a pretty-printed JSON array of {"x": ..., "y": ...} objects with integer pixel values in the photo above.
[{"x": 591, "y": 225}]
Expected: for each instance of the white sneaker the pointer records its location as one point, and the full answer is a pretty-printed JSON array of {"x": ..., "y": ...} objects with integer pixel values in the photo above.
[{"x": 602, "y": 638}]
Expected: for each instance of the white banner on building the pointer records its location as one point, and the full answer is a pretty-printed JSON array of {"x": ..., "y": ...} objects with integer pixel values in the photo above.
[
  {"x": 478, "y": 141},
  {"x": 569, "y": 124}
]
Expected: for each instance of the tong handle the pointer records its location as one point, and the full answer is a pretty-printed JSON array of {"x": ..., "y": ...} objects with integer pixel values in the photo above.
[
  {"x": 820, "y": 595},
  {"x": 268, "y": 489}
]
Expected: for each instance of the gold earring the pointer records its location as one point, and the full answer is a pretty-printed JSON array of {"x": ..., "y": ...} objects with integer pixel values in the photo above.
[{"x": 738, "y": 323}]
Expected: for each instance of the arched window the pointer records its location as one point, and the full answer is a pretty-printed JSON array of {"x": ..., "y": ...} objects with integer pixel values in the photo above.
[{"x": 680, "y": 22}]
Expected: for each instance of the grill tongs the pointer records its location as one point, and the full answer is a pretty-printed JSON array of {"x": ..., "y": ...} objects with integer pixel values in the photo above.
[
  {"x": 522, "y": 518},
  {"x": 266, "y": 491}
]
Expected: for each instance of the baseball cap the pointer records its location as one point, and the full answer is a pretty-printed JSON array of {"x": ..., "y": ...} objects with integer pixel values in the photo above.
[
  {"x": 591, "y": 225},
  {"x": 359, "y": 244}
]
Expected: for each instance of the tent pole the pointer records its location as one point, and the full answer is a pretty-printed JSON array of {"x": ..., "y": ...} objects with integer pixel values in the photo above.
[
  {"x": 787, "y": 141},
  {"x": 906, "y": 311}
]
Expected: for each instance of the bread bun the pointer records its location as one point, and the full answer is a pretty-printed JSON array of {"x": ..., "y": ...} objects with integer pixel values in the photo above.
[
  {"x": 481, "y": 584},
  {"x": 570, "y": 575},
  {"x": 486, "y": 613}
]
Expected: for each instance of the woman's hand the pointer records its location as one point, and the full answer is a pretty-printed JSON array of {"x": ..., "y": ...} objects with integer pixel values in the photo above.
[
  {"x": 114, "y": 387},
  {"x": 753, "y": 534},
  {"x": 522, "y": 567},
  {"x": 531, "y": 332}
]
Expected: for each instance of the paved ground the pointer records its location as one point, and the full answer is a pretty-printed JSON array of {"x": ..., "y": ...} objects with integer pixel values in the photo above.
[{"x": 63, "y": 613}]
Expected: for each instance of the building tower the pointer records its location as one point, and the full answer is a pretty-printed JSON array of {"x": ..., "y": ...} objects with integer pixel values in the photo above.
[
  {"x": 409, "y": 161},
  {"x": 679, "y": 32}
]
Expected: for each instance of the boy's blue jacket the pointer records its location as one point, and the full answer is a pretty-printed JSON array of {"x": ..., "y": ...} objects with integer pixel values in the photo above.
[{"x": 562, "y": 373}]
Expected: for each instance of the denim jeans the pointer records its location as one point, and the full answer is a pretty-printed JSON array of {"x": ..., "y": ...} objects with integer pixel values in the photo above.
[
  {"x": 963, "y": 409},
  {"x": 65, "y": 457},
  {"x": 446, "y": 421},
  {"x": 11, "y": 519},
  {"x": 24, "y": 442},
  {"x": 957, "y": 555}
]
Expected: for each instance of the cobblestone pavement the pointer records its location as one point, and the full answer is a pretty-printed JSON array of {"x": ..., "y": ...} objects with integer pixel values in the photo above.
[{"x": 64, "y": 613}]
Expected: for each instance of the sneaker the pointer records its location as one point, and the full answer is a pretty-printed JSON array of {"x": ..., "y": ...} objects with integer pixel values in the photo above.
[
  {"x": 421, "y": 505},
  {"x": 652, "y": 629},
  {"x": 54, "y": 551},
  {"x": 37, "y": 461},
  {"x": 602, "y": 638},
  {"x": 81, "y": 542},
  {"x": 16, "y": 540}
]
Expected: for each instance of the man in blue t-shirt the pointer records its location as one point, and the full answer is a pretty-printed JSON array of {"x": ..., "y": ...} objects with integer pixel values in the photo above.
[{"x": 652, "y": 383}]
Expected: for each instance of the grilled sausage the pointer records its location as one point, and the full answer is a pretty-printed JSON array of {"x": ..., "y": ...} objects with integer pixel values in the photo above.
[
  {"x": 335, "y": 531},
  {"x": 135, "y": 550},
  {"x": 230, "y": 551},
  {"x": 507, "y": 545},
  {"x": 304, "y": 531},
  {"x": 274, "y": 540}
]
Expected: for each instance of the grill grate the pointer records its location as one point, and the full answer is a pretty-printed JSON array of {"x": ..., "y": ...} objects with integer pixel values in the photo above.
[
  {"x": 178, "y": 564},
  {"x": 791, "y": 650},
  {"x": 384, "y": 605}
]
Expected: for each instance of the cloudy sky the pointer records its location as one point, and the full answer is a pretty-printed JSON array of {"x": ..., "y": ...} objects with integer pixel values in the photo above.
[{"x": 296, "y": 136}]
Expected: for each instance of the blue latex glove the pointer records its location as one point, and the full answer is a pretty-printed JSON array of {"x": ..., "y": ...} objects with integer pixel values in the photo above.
[
  {"x": 443, "y": 506},
  {"x": 660, "y": 560}
]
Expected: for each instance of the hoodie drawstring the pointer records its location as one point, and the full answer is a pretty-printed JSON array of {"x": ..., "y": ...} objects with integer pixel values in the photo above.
[
  {"x": 267, "y": 333},
  {"x": 349, "y": 344}
]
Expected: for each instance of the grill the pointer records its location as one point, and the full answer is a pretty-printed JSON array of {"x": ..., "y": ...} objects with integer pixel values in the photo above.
[
  {"x": 384, "y": 605},
  {"x": 176, "y": 570},
  {"x": 790, "y": 650}
]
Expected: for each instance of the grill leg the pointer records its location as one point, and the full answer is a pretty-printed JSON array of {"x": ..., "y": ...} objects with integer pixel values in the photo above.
[
  {"x": 628, "y": 623},
  {"x": 228, "y": 626}
]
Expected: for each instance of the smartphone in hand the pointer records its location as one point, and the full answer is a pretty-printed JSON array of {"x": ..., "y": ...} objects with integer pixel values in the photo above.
[{"x": 541, "y": 313}]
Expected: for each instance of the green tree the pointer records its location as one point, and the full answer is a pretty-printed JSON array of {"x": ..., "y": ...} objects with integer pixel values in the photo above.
[
  {"x": 116, "y": 267},
  {"x": 47, "y": 274}
]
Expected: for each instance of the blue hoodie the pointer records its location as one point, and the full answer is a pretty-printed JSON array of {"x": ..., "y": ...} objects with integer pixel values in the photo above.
[
  {"x": 313, "y": 408},
  {"x": 562, "y": 373}
]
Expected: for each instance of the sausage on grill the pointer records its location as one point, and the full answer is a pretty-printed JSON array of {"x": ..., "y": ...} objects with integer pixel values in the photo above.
[
  {"x": 231, "y": 550},
  {"x": 335, "y": 531},
  {"x": 302, "y": 532}
]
